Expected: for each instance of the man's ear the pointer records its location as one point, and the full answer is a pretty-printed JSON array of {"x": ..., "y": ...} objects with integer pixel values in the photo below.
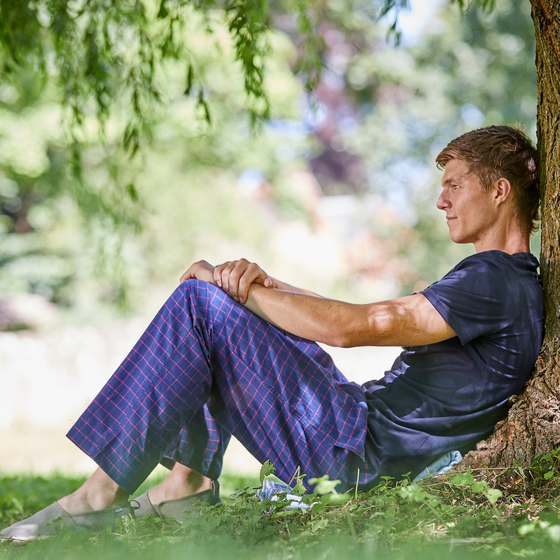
[{"x": 502, "y": 191}]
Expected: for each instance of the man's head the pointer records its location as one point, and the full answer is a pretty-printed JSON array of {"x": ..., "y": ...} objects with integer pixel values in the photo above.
[{"x": 501, "y": 152}]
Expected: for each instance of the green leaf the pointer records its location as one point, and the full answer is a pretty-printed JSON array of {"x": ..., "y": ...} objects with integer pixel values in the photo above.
[
  {"x": 132, "y": 192},
  {"x": 465, "y": 479},
  {"x": 318, "y": 507},
  {"x": 526, "y": 528},
  {"x": 319, "y": 524},
  {"x": 493, "y": 494},
  {"x": 479, "y": 486},
  {"x": 190, "y": 80},
  {"x": 335, "y": 498},
  {"x": 413, "y": 493},
  {"x": 299, "y": 488},
  {"x": 548, "y": 475},
  {"x": 266, "y": 470},
  {"x": 325, "y": 486},
  {"x": 554, "y": 532},
  {"x": 131, "y": 139},
  {"x": 163, "y": 13}
]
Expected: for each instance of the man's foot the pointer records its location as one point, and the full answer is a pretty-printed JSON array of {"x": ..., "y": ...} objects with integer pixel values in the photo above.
[
  {"x": 97, "y": 504},
  {"x": 54, "y": 518},
  {"x": 180, "y": 483},
  {"x": 179, "y": 492},
  {"x": 97, "y": 493},
  {"x": 177, "y": 508}
]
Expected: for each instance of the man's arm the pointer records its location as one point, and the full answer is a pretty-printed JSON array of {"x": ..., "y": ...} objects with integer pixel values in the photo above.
[{"x": 407, "y": 321}]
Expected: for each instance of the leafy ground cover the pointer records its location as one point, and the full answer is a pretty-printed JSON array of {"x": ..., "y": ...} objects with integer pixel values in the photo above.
[{"x": 469, "y": 515}]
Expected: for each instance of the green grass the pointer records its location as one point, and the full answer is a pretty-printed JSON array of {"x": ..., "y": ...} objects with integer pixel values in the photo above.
[{"x": 458, "y": 517}]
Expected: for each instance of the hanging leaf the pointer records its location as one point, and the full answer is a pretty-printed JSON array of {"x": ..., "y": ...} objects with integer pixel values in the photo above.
[
  {"x": 162, "y": 13},
  {"x": 190, "y": 80}
]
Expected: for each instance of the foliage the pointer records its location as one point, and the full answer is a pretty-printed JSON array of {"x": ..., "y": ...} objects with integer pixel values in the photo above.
[
  {"x": 459, "y": 515},
  {"x": 64, "y": 237},
  {"x": 44, "y": 195},
  {"x": 104, "y": 51},
  {"x": 107, "y": 52},
  {"x": 70, "y": 204}
]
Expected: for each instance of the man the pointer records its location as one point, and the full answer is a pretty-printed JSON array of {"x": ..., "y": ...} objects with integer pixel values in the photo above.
[{"x": 231, "y": 353}]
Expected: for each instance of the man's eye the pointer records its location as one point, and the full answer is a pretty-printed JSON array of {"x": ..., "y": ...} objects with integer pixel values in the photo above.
[{"x": 455, "y": 187}]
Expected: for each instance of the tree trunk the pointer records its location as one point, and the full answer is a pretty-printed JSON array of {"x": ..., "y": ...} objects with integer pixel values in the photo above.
[{"x": 533, "y": 424}]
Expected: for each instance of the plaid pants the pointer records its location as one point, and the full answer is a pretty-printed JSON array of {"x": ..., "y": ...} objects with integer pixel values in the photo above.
[{"x": 206, "y": 368}]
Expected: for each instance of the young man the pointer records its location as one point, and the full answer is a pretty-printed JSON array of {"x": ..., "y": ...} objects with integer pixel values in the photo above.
[{"x": 231, "y": 353}]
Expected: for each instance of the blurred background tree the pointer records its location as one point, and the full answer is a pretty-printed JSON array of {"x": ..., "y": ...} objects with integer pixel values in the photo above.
[
  {"x": 83, "y": 222},
  {"x": 69, "y": 197},
  {"x": 387, "y": 112}
]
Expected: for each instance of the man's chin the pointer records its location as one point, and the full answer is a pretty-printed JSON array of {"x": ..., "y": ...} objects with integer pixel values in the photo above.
[{"x": 457, "y": 239}]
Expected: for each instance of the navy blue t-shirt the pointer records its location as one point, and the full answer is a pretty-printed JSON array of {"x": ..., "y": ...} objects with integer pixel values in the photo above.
[{"x": 449, "y": 395}]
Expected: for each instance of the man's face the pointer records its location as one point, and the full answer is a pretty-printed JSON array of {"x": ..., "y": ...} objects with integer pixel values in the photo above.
[{"x": 469, "y": 209}]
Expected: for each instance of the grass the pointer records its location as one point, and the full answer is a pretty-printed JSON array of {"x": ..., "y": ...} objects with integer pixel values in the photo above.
[{"x": 509, "y": 514}]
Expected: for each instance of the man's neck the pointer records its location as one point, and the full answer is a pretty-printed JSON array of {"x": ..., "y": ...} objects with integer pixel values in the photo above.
[{"x": 511, "y": 242}]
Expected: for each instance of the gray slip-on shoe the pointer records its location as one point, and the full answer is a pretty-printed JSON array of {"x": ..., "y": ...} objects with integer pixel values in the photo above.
[
  {"x": 146, "y": 507},
  {"x": 175, "y": 509},
  {"x": 49, "y": 521}
]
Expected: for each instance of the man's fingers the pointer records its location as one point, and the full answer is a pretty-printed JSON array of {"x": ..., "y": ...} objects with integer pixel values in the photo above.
[
  {"x": 235, "y": 278},
  {"x": 201, "y": 270},
  {"x": 252, "y": 273},
  {"x": 188, "y": 273},
  {"x": 218, "y": 273},
  {"x": 244, "y": 285},
  {"x": 226, "y": 278}
]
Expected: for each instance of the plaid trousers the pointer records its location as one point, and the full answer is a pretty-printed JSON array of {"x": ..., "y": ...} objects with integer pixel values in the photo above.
[{"x": 206, "y": 368}]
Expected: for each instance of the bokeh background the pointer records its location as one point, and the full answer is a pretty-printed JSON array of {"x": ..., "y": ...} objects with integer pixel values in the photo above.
[{"x": 335, "y": 192}]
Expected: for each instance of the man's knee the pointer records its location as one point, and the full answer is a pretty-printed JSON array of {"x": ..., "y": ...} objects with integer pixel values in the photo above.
[{"x": 204, "y": 300}]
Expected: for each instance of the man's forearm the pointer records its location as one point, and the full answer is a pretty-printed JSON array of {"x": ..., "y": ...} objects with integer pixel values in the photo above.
[
  {"x": 302, "y": 313},
  {"x": 293, "y": 289}
]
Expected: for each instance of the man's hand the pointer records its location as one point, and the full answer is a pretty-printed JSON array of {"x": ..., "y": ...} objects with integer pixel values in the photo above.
[
  {"x": 200, "y": 270},
  {"x": 233, "y": 277},
  {"x": 236, "y": 277}
]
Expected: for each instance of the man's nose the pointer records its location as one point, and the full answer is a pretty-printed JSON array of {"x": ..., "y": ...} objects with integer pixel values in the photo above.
[{"x": 442, "y": 202}]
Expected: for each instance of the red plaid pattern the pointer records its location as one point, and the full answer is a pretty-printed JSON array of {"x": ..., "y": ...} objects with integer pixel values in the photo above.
[{"x": 206, "y": 368}]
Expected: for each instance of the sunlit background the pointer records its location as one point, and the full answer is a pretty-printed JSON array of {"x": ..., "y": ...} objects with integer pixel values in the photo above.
[{"x": 335, "y": 193}]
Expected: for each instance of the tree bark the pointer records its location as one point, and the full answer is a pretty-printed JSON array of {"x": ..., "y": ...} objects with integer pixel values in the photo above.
[{"x": 533, "y": 423}]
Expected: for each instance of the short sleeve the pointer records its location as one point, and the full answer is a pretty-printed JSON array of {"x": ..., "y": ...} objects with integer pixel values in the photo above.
[{"x": 477, "y": 297}]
